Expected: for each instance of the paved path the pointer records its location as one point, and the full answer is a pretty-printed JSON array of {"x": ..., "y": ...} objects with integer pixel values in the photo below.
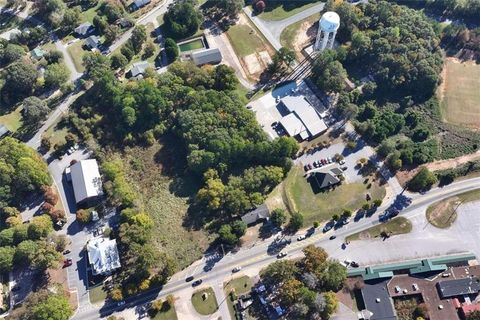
[{"x": 273, "y": 29}]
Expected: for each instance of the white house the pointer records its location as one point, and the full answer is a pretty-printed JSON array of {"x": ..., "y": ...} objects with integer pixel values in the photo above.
[
  {"x": 86, "y": 181},
  {"x": 103, "y": 255}
]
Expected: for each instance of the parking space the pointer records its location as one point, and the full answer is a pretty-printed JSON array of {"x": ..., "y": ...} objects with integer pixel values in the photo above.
[{"x": 351, "y": 158}]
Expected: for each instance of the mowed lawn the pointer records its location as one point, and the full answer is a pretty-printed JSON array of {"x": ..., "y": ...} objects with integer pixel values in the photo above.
[
  {"x": 321, "y": 206},
  {"x": 461, "y": 96},
  {"x": 285, "y": 9},
  {"x": 12, "y": 120},
  {"x": 165, "y": 198},
  {"x": 245, "y": 40},
  {"x": 76, "y": 52}
]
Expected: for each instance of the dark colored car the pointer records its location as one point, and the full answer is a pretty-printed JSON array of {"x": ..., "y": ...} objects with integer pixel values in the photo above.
[
  {"x": 188, "y": 279},
  {"x": 16, "y": 288},
  {"x": 333, "y": 237},
  {"x": 353, "y": 264},
  {"x": 281, "y": 255},
  {"x": 305, "y": 167},
  {"x": 66, "y": 252},
  {"x": 197, "y": 282},
  {"x": 67, "y": 263}
]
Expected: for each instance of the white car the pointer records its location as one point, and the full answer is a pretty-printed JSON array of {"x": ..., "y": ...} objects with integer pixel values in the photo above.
[
  {"x": 341, "y": 162},
  {"x": 302, "y": 237}
]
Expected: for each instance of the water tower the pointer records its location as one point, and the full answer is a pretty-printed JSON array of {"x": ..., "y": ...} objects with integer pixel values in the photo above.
[{"x": 327, "y": 30}]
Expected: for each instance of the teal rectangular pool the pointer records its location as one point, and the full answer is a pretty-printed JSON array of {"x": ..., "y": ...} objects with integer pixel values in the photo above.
[{"x": 191, "y": 45}]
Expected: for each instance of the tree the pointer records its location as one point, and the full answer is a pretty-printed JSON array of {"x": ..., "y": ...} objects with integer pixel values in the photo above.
[
  {"x": 70, "y": 19},
  {"x": 96, "y": 65},
  {"x": 110, "y": 34},
  {"x": 56, "y": 74},
  {"x": 278, "y": 217},
  {"x": 181, "y": 20},
  {"x": 171, "y": 49},
  {"x": 25, "y": 252},
  {"x": 116, "y": 294},
  {"x": 20, "y": 78},
  {"x": 289, "y": 291},
  {"x": 11, "y": 53},
  {"x": 225, "y": 78},
  {"x": 315, "y": 257},
  {"x": 39, "y": 227},
  {"x": 283, "y": 57},
  {"x": 239, "y": 227},
  {"x": 474, "y": 315},
  {"x": 118, "y": 60},
  {"x": 138, "y": 38},
  {"x": 46, "y": 256},
  {"x": 331, "y": 304},
  {"x": 423, "y": 180},
  {"x": 55, "y": 307},
  {"x": 83, "y": 216},
  {"x": 227, "y": 236},
  {"x": 53, "y": 56},
  {"x": 279, "y": 271},
  {"x": 230, "y": 7},
  {"x": 6, "y": 259},
  {"x": 333, "y": 275},
  {"x": 260, "y": 6},
  {"x": 377, "y": 202},
  {"x": 35, "y": 110},
  {"x": 296, "y": 221},
  {"x": 347, "y": 213},
  {"x": 149, "y": 49}
]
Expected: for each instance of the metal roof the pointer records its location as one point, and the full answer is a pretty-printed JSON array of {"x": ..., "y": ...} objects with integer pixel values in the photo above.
[
  {"x": 103, "y": 255},
  {"x": 84, "y": 28},
  {"x": 86, "y": 180},
  {"x": 306, "y": 113},
  {"x": 92, "y": 41},
  {"x": 207, "y": 56},
  {"x": 458, "y": 287},
  {"x": 139, "y": 68}
]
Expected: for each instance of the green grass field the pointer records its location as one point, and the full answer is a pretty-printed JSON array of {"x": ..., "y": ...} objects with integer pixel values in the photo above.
[
  {"x": 289, "y": 34},
  {"x": 285, "y": 10},
  {"x": 321, "y": 206},
  {"x": 461, "y": 95},
  {"x": 244, "y": 40},
  {"x": 398, "y": 225},
  {"x": 76, "y": 52},
  {"x": 165, "y": 196},
  {"x": 12, "y": 120},
  {"x": 205, "y": 307}
]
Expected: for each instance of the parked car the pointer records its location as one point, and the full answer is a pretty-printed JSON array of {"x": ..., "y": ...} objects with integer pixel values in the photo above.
[
  {"x": 236, "y": 269},
  {"x": 67, "y": 263},
  {"x": 310, "y": 167},
  {"x": 344, "y": 168},
  {"x": 281, "y": 255},
  {"x": 354, "y": 264},
  {"x": 327, "y": 227},
  {"x": 302, "y": 237},
  {"x": 394, "y": 213},
  {"x": 333, "y": 237},
  {"x": 197, "y": 282},
  {"x": 346, "y": 221},
  {"x": 305, "y": 167},
  {"x": 66, "y": 252},
  {"x": 341, "y": 162},
  {"x": 274, "y": 124},
  {"x": 329, "y": 160},
  {"x": 188, "y": 279},
  {"x": 315, "y": 164}
]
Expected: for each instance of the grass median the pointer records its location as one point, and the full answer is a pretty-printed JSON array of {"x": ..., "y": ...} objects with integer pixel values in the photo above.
[
  {"x": 205, "y": 306},
  {"x": 444, "y": 213},
  {"x": 398, "y": 225}
]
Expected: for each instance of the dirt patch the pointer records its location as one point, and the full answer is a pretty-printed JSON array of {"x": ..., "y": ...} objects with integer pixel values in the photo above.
[
  {"x": 60, "y": 276},
  {"x": 252, "y": 64},
  {"x": 265, "y": 58},
  {"x": 443, "y": 214},
  {"x": 251, "y": 236},
  {"x": 305, "y": 35}
]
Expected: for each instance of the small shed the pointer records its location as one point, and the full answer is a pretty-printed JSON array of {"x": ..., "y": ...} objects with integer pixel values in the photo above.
[
  {"x": 207, "y": 56},
  {"x": 37, "y": 53},
  {"x": 260, "y": 213},
  {"x": 137, "y": 4},
  {"x": 3, "y": 131}
]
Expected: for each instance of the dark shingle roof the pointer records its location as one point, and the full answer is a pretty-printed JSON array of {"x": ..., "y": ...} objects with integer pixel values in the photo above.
[
  {"x": 261, "y": 212},
  {"x": 377, "y": 300},
  {"x": 325, "y": 180},
  {"x": 458, "y": 287}
]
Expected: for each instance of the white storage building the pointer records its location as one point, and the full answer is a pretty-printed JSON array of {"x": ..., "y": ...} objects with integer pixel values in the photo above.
[
  {"x": 103, "y": 255},
  {"x": 86, "y": 181}
]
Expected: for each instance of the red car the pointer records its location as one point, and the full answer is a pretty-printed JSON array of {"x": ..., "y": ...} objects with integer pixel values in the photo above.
[{"x": 67, "y": 263}]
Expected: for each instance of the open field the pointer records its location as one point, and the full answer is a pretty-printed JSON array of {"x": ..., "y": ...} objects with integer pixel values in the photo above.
[
  {"x": 56, "y": 133},
  {"x": 207, "y": 306},
  {"x": 444, "y": 213},
  {"x": 244, "y": 40},
  {"x": 76, "y": 52},
  {"x": 398, "y": 225},
  {"x": 460, "y": 94},
  {"x": 321, "y": 206},
  {"x": 165, "y": 195},
  {"x": 280, "y": 10},
  {"x": 12, "y": 120}
]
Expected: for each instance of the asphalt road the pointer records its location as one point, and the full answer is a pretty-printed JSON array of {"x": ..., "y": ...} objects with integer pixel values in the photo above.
[{"x": 257, "y": 257}]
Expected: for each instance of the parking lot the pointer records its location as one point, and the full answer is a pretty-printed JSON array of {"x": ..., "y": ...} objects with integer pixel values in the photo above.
[
  {"x": 351, "y": 158},
  {"x": 266, "y": 110}
]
